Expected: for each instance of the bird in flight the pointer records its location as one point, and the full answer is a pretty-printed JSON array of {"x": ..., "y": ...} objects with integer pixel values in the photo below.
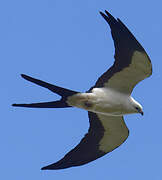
[{"x": 106, "y": 102}]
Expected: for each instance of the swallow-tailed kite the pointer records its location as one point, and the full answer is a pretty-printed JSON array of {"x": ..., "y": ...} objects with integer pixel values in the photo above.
[{"x": 107, "y": 101}]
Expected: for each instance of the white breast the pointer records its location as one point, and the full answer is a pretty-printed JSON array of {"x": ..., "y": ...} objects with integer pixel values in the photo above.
[{"x": 110, "y": 102}]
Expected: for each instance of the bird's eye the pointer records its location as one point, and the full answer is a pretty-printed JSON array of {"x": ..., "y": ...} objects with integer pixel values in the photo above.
[{"x": 137, "y": 108}]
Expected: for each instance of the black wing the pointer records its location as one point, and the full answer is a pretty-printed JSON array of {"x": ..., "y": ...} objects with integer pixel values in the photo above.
[
  {"x": 132, "y": 63},
  {"x": 104, "y": 135}
]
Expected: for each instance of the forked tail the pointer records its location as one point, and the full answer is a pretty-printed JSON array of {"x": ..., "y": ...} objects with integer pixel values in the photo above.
[{"x": 64, "y": 93}]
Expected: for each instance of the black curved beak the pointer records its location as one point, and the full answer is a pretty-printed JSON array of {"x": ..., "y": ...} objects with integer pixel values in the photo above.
[{"x": 141, "y": 112}]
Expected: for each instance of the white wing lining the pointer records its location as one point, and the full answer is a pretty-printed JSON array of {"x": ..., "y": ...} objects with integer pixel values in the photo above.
[{"x": 116, "y": 132}]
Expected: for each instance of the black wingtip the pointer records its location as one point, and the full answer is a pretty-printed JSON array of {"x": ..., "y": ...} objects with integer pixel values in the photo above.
[
  {"x": 102, "y": 14},
  {"x": 61, "y": 164},
  {"x": 43, "y": 168},
  {"x": 50, "y": 168},
  {"x": 108, "y": 17},
  {"x": 108, "y": 14}
]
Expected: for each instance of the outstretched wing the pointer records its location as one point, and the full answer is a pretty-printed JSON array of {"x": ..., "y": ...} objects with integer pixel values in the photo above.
[
  {"x": 104, "y": 135},
  {"x": 132, "y": 64}
]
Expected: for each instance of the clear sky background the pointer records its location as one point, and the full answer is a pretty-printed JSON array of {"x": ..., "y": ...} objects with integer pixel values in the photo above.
[{"x": 69, "y": 44}]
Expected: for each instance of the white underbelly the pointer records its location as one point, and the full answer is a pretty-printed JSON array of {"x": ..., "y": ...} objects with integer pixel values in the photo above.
[{"x": 101, "y": 100}]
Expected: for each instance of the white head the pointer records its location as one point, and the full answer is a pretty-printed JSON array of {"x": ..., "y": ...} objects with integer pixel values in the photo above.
[{"x": 136, "y": 107}]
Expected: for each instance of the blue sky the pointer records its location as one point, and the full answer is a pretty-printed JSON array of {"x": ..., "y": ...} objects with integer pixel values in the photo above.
[{"x": 69, "y": 44}]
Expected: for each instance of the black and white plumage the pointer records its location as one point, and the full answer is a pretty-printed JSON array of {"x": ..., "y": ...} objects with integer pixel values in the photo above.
[{"x": 107, "y": 101}]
